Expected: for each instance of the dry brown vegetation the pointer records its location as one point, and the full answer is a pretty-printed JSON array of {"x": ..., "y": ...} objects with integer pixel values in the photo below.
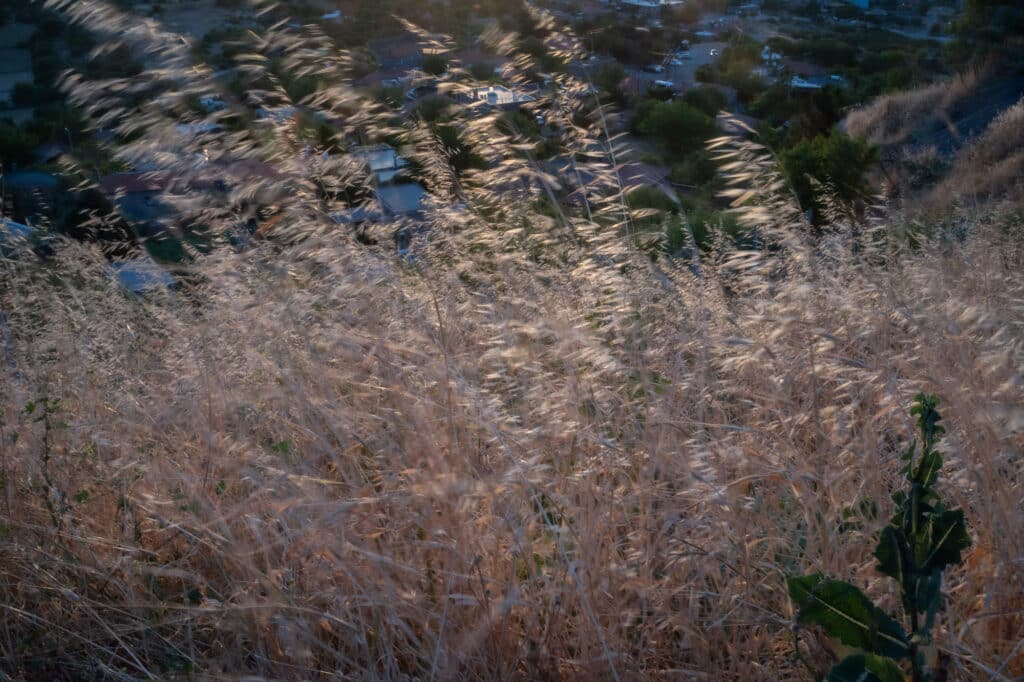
[
  {"x": 532, "y": 453},
  {"x": 892, "y": 119},
  {"x": 990, "y": 166}
]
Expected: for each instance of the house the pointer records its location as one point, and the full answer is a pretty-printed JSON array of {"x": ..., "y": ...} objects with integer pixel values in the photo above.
[
  {"x": 402, "y": 200},
  {"x": 137, "y": 196},
  {"x": 13, "y": 231},
  {"x": 395, "y": 196},
  {"x": 769, "y": 57},
  {"x": 496, "y": 97},
  {"x": 798, "y": 83},
  {"x": 383, "y": 161}
]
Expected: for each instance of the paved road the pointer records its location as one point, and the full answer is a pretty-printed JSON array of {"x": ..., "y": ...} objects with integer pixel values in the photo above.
[{"x": 683, "y": 76}]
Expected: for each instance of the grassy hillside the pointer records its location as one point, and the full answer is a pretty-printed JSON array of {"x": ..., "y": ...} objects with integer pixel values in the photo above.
[{"x": 538, "y": 449}]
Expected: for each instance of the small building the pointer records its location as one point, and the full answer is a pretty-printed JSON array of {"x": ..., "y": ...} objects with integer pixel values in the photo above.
[
  {"x": 383, "y": 161},
  {"x": 402, "y": 200},
  {"x": 137, "y": 196},
  {"x": 496, "y": 97},
  {"x": 10, "y": 230},
  {"x": 798, "y": 83}
]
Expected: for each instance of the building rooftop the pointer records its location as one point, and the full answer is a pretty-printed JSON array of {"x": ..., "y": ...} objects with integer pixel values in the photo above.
[
  {"x": 9, "y": 228},
  {"x": 497, "y": 96},
  {"x": 402, "y": 199}
]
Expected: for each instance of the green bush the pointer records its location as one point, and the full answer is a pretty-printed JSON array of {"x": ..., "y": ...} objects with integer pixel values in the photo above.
[
  {"x": 696, "y": 169},
  {"x": 435, "y": 64},
  {"x": 708, "y": 99},
  {"x": 836, "y": 158},
  {"x": 16, "y": 145},
  {"x": 681, "y": 127}
]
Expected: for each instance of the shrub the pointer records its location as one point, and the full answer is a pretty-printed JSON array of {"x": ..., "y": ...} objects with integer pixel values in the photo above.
[
  {"x": 680, "y": 126},
  {"x": 921, "y": 541},
  {"x": 708, "y": 99}
]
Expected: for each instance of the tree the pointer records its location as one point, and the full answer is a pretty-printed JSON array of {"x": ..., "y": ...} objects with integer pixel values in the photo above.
[
  {"x": 16, "y": 145},
  {"x": 708, "y": 99},
  {"x": 609, "y": 78},
  {"x": 433, "y": 108},
  {"x": 435, "y": 64},
  {"x": 662, "y": 93},
  {"x": 696, "y": 169},
  {"x": 482, "y": 71},
  {"x": 681, "y": 127},
  {"x": 836, "y": 158}
]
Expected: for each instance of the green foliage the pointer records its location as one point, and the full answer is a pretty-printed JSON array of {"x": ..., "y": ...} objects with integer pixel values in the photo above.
[
  {"x": 482, "y": 71},
  {"x": 848, "y": 615},
  {"x": 32, "y": 95},
  {"x": 433, "y": 108},
  {"x": 609, "y": 78},
  {"x": 662, "y": 93},
  {"x": 866, "y": 668},
  {"x": 697, "y": 168},
  {"x": 708, "y": 99},
  {"x": 435, "y": 64},
  {"x": 836, "y": 158},
  {"x": 680, "y": 126},
  {"x": 459, "y": 154},
  {"x": 16, "y": 145},
  {"x": 921, "y": 540}
]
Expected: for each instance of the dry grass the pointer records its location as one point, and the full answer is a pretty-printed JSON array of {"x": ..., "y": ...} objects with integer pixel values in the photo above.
[
  {"x": 892, "y": 119},
  {"x": 531, "y": 454},
  {"x": 990, "y": 166}
]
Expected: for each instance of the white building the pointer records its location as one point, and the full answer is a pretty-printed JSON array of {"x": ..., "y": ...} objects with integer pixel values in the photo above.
[{"x": 497, "y": 97}]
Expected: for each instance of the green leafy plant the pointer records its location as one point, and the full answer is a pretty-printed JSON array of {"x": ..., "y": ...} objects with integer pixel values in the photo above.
[{"x": 921, "y": 540}]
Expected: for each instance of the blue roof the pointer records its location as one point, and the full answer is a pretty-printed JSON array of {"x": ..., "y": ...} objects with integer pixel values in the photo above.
[
  {"x": 402, "y": 199},
  {"x": 9, "y": 227},
  {"x": 142, "y": 274}
]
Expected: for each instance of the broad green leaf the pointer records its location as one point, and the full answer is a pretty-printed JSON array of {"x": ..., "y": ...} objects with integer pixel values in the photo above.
[
  {"x": 866, "y": 668},
  {"x": 927, "y": 470},
  {"x": 848, "y": 615},
  {"x": 889, "y": 552},
  {"x": 948, "y": 537}
]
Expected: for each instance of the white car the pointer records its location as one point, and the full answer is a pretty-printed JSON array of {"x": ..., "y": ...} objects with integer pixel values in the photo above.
[
  {"x": 676, "y": 62},
  {"x": 713, "y": 52}
]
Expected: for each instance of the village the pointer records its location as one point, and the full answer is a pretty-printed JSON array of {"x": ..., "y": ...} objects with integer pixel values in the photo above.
[{"x": 673, "y": 73}]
